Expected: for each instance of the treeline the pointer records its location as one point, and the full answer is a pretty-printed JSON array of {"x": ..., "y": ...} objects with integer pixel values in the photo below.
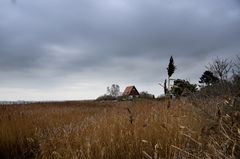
[{"x": 221, "y": 77}]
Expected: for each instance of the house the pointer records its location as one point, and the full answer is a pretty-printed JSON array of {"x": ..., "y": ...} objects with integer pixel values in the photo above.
[{"x": 131, "y": 91}]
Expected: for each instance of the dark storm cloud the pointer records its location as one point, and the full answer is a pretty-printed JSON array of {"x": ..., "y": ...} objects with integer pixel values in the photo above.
[{"x": 53, "y": 42}]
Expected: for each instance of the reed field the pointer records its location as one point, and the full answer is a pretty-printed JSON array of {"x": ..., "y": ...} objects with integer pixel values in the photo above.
[{"x": 139, "y": 129}]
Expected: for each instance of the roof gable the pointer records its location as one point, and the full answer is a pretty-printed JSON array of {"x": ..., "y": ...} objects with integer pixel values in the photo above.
[{"x": 130, "y": 90}]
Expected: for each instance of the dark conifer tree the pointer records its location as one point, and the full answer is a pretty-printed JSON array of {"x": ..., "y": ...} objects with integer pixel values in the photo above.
[
  {"x": 208, "y": 78},
  {"x": 171, "y": 67}
]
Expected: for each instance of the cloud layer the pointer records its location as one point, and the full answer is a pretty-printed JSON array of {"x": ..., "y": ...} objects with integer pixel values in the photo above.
[{"x": 57, "y": 50}]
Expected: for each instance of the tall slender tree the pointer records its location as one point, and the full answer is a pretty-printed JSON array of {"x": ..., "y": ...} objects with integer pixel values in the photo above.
[{"x": 171, "y": 69}]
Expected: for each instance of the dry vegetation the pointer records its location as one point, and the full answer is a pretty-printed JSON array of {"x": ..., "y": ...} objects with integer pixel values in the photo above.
[{"x": 111, "y": 129}]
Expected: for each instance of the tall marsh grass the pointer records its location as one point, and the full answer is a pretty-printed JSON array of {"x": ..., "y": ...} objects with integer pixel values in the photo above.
[{"x": 107, "y": 130}]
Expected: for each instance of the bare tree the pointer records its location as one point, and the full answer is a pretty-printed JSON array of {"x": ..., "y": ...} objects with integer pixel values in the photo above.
[
  {"x": 237, "y": 65},
  {"x": 114, "y": 90},
  {"x": 220, "y": 68}
]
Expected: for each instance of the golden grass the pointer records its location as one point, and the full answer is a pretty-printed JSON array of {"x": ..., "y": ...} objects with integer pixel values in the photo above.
[{"x": 127, "y": 129}]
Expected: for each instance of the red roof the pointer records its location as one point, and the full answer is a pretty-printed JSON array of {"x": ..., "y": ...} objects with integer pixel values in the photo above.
[{"x": 130, "y": 90}]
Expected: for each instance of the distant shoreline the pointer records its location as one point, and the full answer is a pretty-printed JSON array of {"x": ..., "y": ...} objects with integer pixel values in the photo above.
[{"x": 19, "y": 102}]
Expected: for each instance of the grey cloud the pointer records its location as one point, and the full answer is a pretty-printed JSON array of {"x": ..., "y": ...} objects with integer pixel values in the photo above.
[{"x": 60, "y": 42}]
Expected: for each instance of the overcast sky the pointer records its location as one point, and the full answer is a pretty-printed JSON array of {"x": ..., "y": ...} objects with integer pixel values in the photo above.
[{"x": 74, "y": 49}]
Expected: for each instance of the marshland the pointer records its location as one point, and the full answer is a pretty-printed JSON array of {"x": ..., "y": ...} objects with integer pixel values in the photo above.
[{"x": 140, "y": 128}]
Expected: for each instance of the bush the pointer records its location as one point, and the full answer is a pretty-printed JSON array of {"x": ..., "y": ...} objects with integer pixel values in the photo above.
[
  {"x": 225, "y": 88},
  {"x": 146, "y": 95},
  {"x": 161, "y": 97},
  {"x": 106, "y": 97},
  {"x": 182, "y": 85}
]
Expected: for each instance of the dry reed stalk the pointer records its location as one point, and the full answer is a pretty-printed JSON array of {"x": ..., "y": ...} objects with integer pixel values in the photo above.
[
  {"x": 130, "y": 116},
  {"x": 185, "y": 152},
  {"x": 146, "y": 155},
  {"x": 195, "y": 141}
]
